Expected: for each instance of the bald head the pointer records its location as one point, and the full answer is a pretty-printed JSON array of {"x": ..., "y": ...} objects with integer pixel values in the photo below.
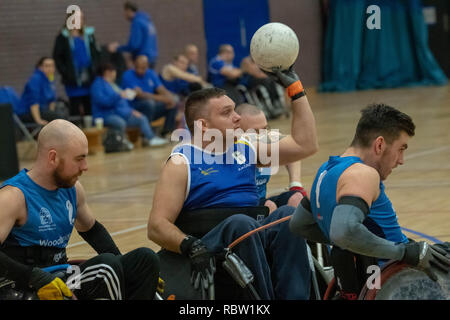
[
  {"x": 60, "y": 135},
  {"x": 62, "y": 152},
  {"x": 251, "y": 117}
]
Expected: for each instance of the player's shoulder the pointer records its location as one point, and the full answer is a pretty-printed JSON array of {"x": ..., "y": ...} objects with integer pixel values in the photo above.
[
  {"x": 360, "y": 171},
  {"x": 359, "y": 180},
  {"x": 12, "y": 198},
  {"x": 11, "y": 193}
]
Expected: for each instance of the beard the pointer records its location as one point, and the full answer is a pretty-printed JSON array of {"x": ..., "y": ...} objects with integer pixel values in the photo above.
[{"x": 62, "y": 181}]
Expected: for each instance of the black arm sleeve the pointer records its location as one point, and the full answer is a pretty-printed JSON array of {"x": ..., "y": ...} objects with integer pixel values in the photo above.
[
  {"x": 303, "y": 223},
  {"x": 13, "y": 270},
  {"x": 99, "y": 239}
]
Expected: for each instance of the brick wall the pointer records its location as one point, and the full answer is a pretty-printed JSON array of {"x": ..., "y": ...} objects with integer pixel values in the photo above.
[{"x": 28, "y": 29}]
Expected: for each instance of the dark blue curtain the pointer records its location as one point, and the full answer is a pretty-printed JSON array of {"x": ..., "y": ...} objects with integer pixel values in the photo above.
[{"x": 356, "y": 57}]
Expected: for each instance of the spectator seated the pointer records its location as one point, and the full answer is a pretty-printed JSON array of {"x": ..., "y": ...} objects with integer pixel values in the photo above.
[{"x": 110, "y": 103}]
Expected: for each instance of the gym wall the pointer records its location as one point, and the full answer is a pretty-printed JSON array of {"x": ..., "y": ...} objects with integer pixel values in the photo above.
[{"x": 28, "y": 29}]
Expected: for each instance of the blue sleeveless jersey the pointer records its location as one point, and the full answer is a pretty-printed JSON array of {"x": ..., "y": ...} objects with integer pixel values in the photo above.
[
  {"x": 262, "y": 179},
  {"x": 220, "y": 180},
  {"x": 382, "y": 219},
  {"x": 51, "y": 214}
]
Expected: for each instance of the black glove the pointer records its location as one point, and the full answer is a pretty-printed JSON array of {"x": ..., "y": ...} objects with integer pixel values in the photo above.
[
  {"x": 203, "y": 263},
  {"x": 443, "y": 246},
  {"x": 290, "y": 80},
  {"x": 424, "y": 256}
]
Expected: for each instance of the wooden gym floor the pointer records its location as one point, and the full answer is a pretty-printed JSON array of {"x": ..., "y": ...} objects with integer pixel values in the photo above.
[{"x": 120, "y": 186}]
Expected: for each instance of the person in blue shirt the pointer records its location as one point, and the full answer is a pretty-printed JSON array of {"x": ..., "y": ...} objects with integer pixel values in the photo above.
[
  {"x": 350, "y": 210},
  {"x": 223, "y": 74},
  {"x": 198, "y": 176},
  {"x": 77, "y": 58},
  {"x": 110, "y": 102},
  {"x": 40, "y": 209},
  {"x": 37, "y": 103},
  {"x": 143, "y": 36},
  {"x": 152, "y": 98}
]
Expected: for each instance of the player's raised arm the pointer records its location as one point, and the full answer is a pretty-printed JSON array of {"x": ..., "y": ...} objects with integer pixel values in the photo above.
[{"x": 302, "y": 142}]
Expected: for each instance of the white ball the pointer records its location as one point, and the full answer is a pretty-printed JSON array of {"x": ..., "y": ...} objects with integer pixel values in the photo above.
[{"x": 274, "y": 45}]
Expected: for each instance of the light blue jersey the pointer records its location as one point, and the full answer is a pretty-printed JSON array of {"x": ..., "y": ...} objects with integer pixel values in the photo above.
[
  {"x": 262, "y": 179},
  {"x": 382, "y": 219},
  {"x": 220, "y": 180},
  {"x": 51, "y": 214}
]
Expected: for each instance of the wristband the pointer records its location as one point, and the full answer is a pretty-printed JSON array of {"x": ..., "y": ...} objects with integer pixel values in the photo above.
[
  {"x": 298, "y": 95},
  {"x": 295, "y": 89},
  {"x": 295, "y": 184},
  {"x": 186, "y": 244}
]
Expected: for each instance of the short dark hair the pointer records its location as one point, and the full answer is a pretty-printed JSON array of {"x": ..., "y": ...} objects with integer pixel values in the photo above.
[
  {"x": 195, "y": 104},
  {"x": 105, "y": 66},
  {"x": 381, "y": 120},
  {"x": 41, "y": 60},
  {"x": 128, "y": 5}
]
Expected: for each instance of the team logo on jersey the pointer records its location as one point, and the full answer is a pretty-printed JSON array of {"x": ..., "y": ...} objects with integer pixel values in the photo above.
[
  {"x": 46, "y": 220},
  {"x": 70, "y": 211},
  {"x": 239, "y": 157},
  {"x": 46, "y": 217},
  {"x": 208, "y": 171}
]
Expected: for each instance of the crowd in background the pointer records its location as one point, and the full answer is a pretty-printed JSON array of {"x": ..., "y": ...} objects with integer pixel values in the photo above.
[{"x": 98, "y": 84}]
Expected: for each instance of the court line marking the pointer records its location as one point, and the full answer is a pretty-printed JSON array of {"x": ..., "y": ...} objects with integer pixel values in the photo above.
[
  {"x": 422, "y": 235},
  {"x": 139, "y": 227}
]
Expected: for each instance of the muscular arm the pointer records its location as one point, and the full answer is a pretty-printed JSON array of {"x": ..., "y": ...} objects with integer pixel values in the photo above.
[
  {"x": 13, "y": 212},
  {"x": 358, "y": 187},
  {"x": 300, "y": 144},
  {"x": 168, "y": 201}
]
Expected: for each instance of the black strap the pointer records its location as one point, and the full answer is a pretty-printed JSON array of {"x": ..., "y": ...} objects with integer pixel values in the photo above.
[
  {"x": 357, "y": 202},
  {"x": 199, "y": 222},
  {"x": 36, "y": 256}
]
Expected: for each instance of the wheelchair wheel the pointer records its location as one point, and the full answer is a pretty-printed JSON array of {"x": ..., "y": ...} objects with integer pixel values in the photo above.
[{"x": 402, "y": 282}]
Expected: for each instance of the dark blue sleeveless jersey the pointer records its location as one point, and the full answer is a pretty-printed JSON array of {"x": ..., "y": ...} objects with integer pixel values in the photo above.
[
  {"x": 382, "y": 219},
  {"x": 220, "y": 180},
  {"x": 51, "y": 214}
]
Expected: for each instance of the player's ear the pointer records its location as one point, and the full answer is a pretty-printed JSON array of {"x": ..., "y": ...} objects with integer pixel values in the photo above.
[
  {"x": 379, "y": 145},
  {"x": 53, "y": 157},
  {"x": 201, "y": 125}
]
